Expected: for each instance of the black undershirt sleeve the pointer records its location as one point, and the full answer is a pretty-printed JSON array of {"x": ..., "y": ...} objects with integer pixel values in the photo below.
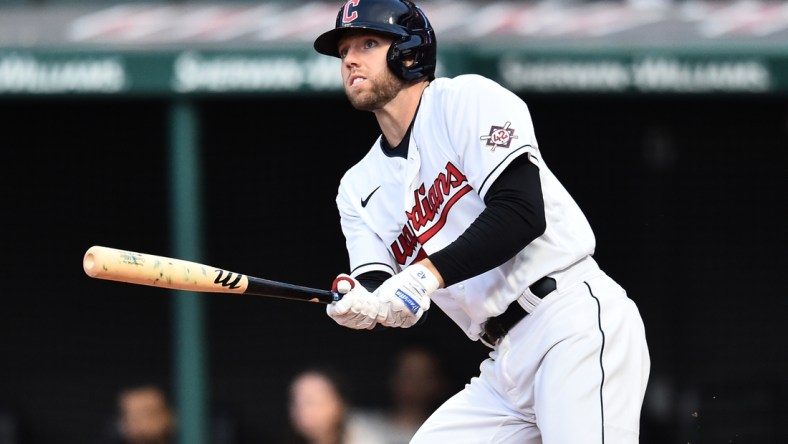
[
  {"x": 513, "y": 218},
  {"x": 371, "y": 280}
]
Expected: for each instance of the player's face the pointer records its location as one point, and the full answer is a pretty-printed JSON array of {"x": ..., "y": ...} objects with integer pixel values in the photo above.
[{"x": 369, "y": 83}]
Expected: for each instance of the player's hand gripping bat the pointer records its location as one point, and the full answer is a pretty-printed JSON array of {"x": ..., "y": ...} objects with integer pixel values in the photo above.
[{"x": 176, "y": 274}]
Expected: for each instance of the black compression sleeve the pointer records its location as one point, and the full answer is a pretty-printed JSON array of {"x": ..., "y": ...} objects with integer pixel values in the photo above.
[
  {"x": 371, "y": 280},
  {"x": 513, "y": 218}
]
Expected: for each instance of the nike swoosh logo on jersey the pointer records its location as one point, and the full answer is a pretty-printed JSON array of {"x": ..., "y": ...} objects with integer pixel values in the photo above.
[{"x": 365, "y": 201}]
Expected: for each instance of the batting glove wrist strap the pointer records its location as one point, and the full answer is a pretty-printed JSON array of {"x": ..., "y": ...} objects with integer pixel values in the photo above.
[
  {"x": 406, "y": 296},
  {"x": 422, "y": 281}
]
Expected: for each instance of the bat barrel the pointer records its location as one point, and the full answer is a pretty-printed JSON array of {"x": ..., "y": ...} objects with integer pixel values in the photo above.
[
  {"x": 89, "y": 262},
  {"x": 159, "y": 271}
]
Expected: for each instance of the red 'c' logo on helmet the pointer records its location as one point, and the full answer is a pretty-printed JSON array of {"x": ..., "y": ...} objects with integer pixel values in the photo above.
[{"x": 349, "y": 16}]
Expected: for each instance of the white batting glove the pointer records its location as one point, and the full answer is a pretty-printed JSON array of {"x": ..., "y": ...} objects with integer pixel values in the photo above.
[
  {"x": 405, "y": 296},
  {"x": 357, "y": 309}
]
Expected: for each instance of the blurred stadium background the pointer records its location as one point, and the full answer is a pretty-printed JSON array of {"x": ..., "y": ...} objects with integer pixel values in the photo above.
[{"x": 210, "y": 131}]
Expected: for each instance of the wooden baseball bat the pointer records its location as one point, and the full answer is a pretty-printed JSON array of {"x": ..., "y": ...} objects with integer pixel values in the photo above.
[{"x": 176, "y": 274}]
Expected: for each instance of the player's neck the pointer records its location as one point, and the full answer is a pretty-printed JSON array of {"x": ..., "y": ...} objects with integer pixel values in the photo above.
[{"x": 395, "y": 118}]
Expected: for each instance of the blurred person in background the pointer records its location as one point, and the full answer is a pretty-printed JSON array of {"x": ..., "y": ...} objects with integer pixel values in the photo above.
[
  {"x": 417, "y": 385},
  {"x": 145, "y": 416},
  {"x": 10, "y": 425},
  {"x": 321, "y": 411}
]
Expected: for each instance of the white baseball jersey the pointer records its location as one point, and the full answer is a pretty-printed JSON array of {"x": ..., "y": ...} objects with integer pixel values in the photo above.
[{"x": 395, "y": 211}]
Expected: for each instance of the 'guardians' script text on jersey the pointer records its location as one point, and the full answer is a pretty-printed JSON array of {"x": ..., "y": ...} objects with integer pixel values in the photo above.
[{"x": 430, "y": 211}]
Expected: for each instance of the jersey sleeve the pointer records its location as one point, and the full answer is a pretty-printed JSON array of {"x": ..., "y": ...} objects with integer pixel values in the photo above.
[
  {"x": 489, "y": 126},
  {"x": 366, "y": 251}
]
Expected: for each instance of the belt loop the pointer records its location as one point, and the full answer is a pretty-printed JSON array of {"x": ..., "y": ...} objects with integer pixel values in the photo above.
[
  {"x": 497, "y": 327},
  {"x": 529, "y": 301}
]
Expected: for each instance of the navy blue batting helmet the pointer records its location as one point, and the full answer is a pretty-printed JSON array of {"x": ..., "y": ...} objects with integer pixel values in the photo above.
[{"x": 401, "y": 19}]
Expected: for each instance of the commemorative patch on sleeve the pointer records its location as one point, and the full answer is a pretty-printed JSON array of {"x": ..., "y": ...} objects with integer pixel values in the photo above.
[{"x": 500, "y": 136}]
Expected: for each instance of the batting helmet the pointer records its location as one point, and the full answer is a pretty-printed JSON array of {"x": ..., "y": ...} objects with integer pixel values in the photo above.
[{"x": 401, "y": 19}]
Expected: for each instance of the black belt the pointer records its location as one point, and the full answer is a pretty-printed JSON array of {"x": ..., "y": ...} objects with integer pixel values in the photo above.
[{"x": 495, "y": 328}]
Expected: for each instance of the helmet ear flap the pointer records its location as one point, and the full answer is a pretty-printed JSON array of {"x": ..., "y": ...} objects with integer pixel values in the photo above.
[
  {"x": 405, "y": 48},
  {"x": 409, "y": 48}
]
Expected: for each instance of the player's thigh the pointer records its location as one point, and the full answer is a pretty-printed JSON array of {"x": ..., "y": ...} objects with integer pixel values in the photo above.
[
  {"x": 590, "y": 385},
  {"x": 478, "y": 415}
]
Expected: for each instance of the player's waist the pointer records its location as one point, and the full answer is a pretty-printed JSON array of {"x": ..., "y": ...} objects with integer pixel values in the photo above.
[{"x": 498, "y": 326}]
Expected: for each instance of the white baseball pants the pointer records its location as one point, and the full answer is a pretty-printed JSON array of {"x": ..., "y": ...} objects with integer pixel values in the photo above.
[{"x": 574, "y": 371}]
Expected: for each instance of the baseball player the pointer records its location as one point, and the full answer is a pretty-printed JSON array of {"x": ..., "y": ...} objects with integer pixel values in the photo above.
[{"x": 455, "y": 206}]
